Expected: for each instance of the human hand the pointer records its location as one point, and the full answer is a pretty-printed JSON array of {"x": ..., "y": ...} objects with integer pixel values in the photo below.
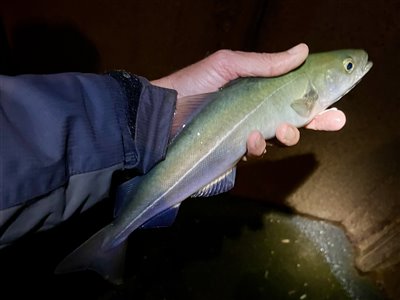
[{"x": 216, "y": 70}]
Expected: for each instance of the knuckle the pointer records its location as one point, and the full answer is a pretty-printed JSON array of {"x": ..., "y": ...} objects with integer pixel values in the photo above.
[
  {"x": 223, "y": 62},
  {"x": 222, "y": 56}
]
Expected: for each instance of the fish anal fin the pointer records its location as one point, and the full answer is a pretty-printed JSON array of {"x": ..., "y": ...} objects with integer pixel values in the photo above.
[
  {"x": 304, "y": 106},
  {"x": 221, "y": 184}
]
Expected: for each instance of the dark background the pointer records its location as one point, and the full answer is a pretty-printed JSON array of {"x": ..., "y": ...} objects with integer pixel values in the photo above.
[{"x": 351, "y": 177}]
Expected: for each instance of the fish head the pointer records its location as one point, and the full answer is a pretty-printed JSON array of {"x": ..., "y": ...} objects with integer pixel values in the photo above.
[{"x": 333, "y": 74}]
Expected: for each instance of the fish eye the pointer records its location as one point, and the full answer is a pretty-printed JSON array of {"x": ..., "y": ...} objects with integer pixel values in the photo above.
[{"x": 348, "y": 65}]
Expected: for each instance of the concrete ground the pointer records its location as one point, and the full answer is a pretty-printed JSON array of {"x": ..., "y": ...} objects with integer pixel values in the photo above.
[{"x": 351, "y": 177}]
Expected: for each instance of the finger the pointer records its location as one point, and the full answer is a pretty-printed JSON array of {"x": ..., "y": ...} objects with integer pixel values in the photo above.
[
  {"x": 255, "y": 144},
  {"x": 245, "y": 64},
  {"x": 328, "y": 120},
  {"x": 288, "y": 134}
]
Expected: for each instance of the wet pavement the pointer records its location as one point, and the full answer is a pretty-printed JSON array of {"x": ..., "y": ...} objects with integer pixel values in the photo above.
[
  {"x": 288, "y": 257},
  {"x": 219, "y": 248}
]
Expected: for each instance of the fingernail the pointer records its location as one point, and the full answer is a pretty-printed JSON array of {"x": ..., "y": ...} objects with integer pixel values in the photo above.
[
  {"x": 295, "y": 49},
  {"x": 264, "y": 152}
]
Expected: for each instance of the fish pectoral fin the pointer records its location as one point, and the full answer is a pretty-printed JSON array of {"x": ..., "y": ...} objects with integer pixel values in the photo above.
[
  {"x": 125, "y": 193},
  {"x": 221, "y": 184},
  {"x": 305, "y": 105},
  {"x": 186, "y": 109},
  {"x": 164, "y": 219}
]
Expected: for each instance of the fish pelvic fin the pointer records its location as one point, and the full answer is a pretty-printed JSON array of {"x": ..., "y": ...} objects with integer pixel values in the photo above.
[{"x": 93, "y": 255}]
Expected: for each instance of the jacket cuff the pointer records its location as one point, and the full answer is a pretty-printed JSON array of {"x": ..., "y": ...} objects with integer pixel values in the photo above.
[{"x": 145, "y": 120}]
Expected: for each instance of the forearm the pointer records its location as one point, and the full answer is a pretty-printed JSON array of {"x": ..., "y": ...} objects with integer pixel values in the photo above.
[{"x": 63, "y": 136}]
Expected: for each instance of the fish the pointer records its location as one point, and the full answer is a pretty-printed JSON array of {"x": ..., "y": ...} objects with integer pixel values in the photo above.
[{"x": 209, "y": 142}]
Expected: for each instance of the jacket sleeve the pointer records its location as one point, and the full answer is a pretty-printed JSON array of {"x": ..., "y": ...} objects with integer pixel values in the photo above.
[{"x": 63, "y": 136}]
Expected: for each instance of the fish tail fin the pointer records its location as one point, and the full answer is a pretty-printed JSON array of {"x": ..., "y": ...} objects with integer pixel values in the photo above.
[{"x": 94, "y": 255}]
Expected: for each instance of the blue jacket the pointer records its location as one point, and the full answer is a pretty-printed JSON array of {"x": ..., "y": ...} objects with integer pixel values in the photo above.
[{"x": 63, "y": 136}]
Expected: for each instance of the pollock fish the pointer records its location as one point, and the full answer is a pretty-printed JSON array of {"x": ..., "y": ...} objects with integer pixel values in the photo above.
[{"x": 201, "y": 159}]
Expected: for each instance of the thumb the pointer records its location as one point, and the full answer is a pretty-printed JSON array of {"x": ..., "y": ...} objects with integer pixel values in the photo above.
[{"x": 269, "y": 64}]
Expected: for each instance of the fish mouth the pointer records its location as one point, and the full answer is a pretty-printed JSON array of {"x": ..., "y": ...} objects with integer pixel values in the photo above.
[
  {"x": 367, "y": 67},
  {"x": 364, "y": 70}
]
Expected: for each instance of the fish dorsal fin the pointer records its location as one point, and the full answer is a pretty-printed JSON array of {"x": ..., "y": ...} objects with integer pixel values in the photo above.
[
  {"x": 305, "y": 105},
  {"x": 221, "y": 184},
  {"x": 124, "y": 194},
  {"x": 163, "y": 219},
  {"x": 186, "y": 109}
]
